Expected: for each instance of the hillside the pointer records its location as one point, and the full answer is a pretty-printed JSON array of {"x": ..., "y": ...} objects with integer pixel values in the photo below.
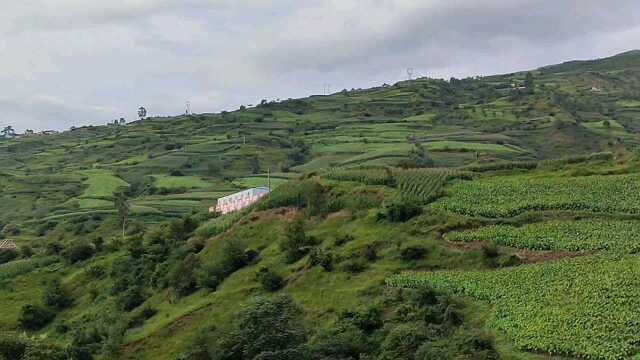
[{"x": 401, "y": 218}]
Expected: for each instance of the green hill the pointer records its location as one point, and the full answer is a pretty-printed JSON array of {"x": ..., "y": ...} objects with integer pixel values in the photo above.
[{"x": 428, "y": 219}]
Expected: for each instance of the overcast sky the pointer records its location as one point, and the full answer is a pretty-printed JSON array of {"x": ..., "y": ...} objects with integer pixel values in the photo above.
[{"x": 77, "y": 62}]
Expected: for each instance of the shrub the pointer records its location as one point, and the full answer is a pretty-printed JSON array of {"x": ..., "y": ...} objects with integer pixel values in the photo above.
[
  {"x": 354, "y": 265},
  {"x": 8, "y": 255},
  {"x": 26, "y": 251},
  {"x": 321, "y": 257},
  {"x": 35, "y": 317},
  {"x": 131, "y": 298},
  {"x": 269, "y": 280},
  {"x": 369, "y": 253},
  {"x": 55, "y": 296},
  {"x": 401, "y": 211},
  {"x": 342, "y": 239},
  {"x": 412, "y": 253},
  {"x": 182, "y": 276},
  {"x": 296, "y": 243},
  {"x": 78, "y": 252},
  {"x": 264, "y": 329}
]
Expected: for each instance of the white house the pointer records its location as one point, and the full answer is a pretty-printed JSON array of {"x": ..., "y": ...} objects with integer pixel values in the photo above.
[{"x": 239, "y": 200}]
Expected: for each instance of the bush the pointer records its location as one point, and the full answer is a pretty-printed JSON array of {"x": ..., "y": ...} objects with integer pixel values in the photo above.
[
  {"x": 264, "y": 329},
  {"x": 369, "y": 253},
  {"x": 55, "y": 296},
  {"x": 401, "y": 211},
  {"x": 78, "y": 252},
  {"x": 296, "y": 243},
  {"x": 26, "y": 251},
  {"x": 354, "y": 266},
  {"x": 412, "y": 253},
  {"x": 269, "y": 280},
  {"x": 342, "y": 239},
  {"x": 182, "y": 276},
  {"x": 35, "y": 317},
  {"x": 8, "y": 255},
  {"x": 131, "y": 298},
  {"x": 321, "y": 257}
]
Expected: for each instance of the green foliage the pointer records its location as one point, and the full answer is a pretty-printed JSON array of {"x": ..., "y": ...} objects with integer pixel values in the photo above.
[
  {"x": 7, "y": 255},
  {"x": 35, "y": 317},
  {"x": 264, "y": 329},
  {"x": 233, "y": 256},
  {"x": 372, "y": 176},
  {"x": 78, "y": 251},
  {"x": 55, "y": 296},
  {"x": 510, "y": 196},
  {"x": 269, "y": 280},
  {"x": 600, "y": 291},
  {"x": 578, "y": 235},
  {"x": 412, "y": 253},
  {"x": 296, "y": 243},
  {"x": 401, "y": 211}
]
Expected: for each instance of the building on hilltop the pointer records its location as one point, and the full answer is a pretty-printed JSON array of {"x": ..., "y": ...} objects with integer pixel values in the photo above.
[{"x": 239, "y": 200}]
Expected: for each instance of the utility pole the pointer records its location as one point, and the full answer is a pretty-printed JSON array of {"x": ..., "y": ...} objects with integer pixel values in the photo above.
[{"x": 269, "y": 178}]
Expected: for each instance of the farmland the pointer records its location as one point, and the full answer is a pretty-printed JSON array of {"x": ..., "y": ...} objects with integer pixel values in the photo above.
[
  {"x": 580, "y": 235},
  {"x": 585, "y": 307},
  {"x": 510, "y": 196}
]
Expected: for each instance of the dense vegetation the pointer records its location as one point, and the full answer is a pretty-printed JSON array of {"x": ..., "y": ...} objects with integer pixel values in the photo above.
[{"x": 117, "y": 256}]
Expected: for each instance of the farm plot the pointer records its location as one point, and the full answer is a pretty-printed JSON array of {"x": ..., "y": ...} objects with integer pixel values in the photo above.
[
  {"x": 174, "y": 182},
  {"x": 607, "y": 235},
  {"x": 587, "y": 307},
  {"x": 510, "y": 196},
  {"x": 101, "y": 184},
  {"x": 424, "y": 185}
]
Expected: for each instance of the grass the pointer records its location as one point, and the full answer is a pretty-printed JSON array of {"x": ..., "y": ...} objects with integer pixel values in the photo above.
[
  {"x": 173, "y": 182},
  {"x": 255, "y": 181},
  {"x": 102, "y": 184}
]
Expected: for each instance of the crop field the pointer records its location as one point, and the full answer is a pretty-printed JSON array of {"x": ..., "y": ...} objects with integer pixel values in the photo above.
[
  {"x": 101, "y": 184},
  {"x": 424, "y": 185},
  {"x": 373, "y": 176},
  {"x": 586, "y": 307},
  {"x": 470, "y": 146},
  {"x": 510, "y": 196},
  {"x": 579, "y": 235},
  {"x": 187, "y": 182},
  {"x": 255, "y": 181}
]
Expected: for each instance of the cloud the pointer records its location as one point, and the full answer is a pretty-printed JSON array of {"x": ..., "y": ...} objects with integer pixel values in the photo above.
[{"x": 77, "y": 62}]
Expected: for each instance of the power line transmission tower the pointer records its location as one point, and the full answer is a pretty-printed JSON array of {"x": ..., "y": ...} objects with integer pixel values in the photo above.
[
  {"x": 188, "y": 108},
  {"x": 410, "y": 73}
]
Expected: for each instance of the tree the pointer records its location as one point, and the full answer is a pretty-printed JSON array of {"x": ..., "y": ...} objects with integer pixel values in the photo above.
[
  {"x": 528, "y": 81},
  {"x": 55, "y": 296},
  {"x": 142, "y": 112},
  {"x": 265, "y": 329},
  {"x": 296, "y": 244},
  {"x": 122, "y": 205},
  {"x": 35, "y": 317},
  {"x": 8, "y": 131}
]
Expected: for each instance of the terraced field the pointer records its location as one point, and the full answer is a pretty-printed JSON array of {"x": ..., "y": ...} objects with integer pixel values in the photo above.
[
  {"x": 567, "y": 235},
  {"x": 586, "y": 307},
  {"x": 510, "y": 196}
]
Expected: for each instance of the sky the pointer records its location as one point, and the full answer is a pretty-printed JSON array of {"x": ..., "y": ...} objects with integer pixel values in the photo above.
[{"x": 69, "y": 63}]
